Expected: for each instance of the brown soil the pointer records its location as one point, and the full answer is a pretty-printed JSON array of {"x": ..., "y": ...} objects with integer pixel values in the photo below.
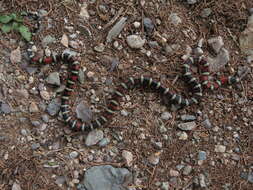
[{"x": 229, "y": 17}]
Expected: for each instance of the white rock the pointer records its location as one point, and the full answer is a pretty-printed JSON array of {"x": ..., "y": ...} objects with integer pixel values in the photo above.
[
  {"x": 182, "y": 135},
  {"x": 137, "y": 24},
  {"x": 84, "y": 12},
  {"x": 90, "y": 74},
  {"x": 219, "y": 61},
  {"x": 65, "y": 40},
  {"x": 220, "y": 148},
  {"x": 216, "y": 43},
  {"x": 166, "y": 116},
  {"x": 128, "y": 156},
  {"x": 16, "y": 186},
  {"x": 135, "y": 41}
]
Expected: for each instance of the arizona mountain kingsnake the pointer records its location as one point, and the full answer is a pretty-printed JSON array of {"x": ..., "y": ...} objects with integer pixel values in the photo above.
[
  {"x": 131, "y": 83},
  {"x": 196, "y": 86}
]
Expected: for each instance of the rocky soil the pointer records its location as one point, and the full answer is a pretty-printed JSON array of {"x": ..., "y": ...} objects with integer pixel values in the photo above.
[{"x": 148, "y": 145}]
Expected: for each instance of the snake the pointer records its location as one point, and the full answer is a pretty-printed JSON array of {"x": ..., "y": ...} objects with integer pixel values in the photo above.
[{"x": 196, "y": 85}]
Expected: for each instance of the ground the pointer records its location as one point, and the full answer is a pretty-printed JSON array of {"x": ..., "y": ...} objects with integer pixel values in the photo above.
[{"x": 36, "y": 155}]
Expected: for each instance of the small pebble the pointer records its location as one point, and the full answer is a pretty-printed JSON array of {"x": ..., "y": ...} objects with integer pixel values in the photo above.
[
  {"x": 104, "y": 142},
  {"x": 187, "y": 170},
  {"x": 128, "y": 157},
  {"x": 174, "y": 173},
  {"x": 148, "y": 25},
  {"x": 137, "y": 24},
  {"x": 154, "y": 158},
  {"x": 191, "y": 2},
  {"x": 165, "y": 186},
  {"x": 166, "y": 116},
  {"x": 99, "y": 48},
  {"x": 202, "y": 155},
  {"x": 45, "y": 95},
  {"x": 206, "y": 13},
  {"x": 23, "y": 132},
  {"x": 135, "y": 41},
  {"x": 35, "y": 146},
  {"x": 187, "y": 117},
  {"x": 220, "y": 148},
  {"x": 53, "y": 107},
  {"x": 206, "y": 123},
  {"x": 73, "y": 154},
  {"x": 33, "y": 108},
  {"x": 45, "y": 118},
  {"x": 182, "y": 135},
  {"x": 36, "y": 123},
  {"x": 175, "y": 19}
]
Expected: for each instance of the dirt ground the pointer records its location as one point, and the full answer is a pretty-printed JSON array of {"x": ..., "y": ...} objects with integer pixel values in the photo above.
[{"x": 22, "y": 164}]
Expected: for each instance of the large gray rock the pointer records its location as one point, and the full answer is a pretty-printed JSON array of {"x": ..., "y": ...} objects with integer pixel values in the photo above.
[{"x": 106, "y": 178}]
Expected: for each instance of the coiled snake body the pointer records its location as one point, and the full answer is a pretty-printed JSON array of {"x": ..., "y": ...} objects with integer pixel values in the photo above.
[{"x": 196, "y": 86}]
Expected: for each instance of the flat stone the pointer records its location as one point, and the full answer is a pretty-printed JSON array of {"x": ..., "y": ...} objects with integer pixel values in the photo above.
[
  {"x": 148, "y": 25},
  {"x": 104, "y": 142},
  {"x": 135, "y": 41},
  {"x": 53, "y": 79},
  {"x": 83, "y": 112},
  {"x": 187, "y": 126},
  {"x": 106, "y": 178},
  {"x": 53, "y": 107},
  {"x": 202, "y": 155},
  {"x": 94, "y": 137},
  {"x": 187, "y": 117},
  {"x": 116, "y": 29},
  {"x": 4, "y": 108}
]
